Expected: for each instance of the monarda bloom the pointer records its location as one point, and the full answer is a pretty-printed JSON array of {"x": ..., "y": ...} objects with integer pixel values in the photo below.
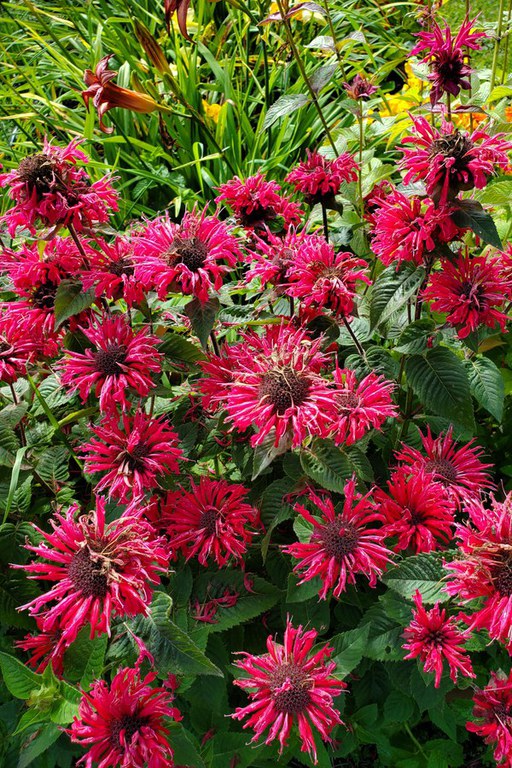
[
  {"x": 17, "y": 348},
  {"x": 120, "y": 362},
  {"x": 323, "y": 279},
  {"x": 360, "y": 405},
  {"x": 191, "y": 257},
  {"x": 459, "y": 469},
  {"x": 132, "y": 452},
  {"x": 360, "y": 88},
  {"x": 434, "y": 638},
  {"x": 106, "y": 95},
  {"x": 417, "y": 510},
  {"x": 472, "y": 291},
  {"x": 123, "y": 725},
  {"x": 99, "y": 571},
  {"x": 212, "y": 521},
  {"x": 410, "y": 229},
  {"x": 258, "y": 205},
  {"x": 450, "y": 160},
  {"x": 493, "y": 713},
  {"x": 289, "y": 685},
  {"x": 111, "y": 272},
  {"x": 44, "y": 648},
  {"x": 342, "y": 544},
  {"x": 50, "y": 187},
  {"x": 319, "y": 179},
  {"x": 273, "y": 383},
  {"x": 484, "y": 570},
  {"x": 447, "y": 57},
  {"x": 273, "y": 256}
]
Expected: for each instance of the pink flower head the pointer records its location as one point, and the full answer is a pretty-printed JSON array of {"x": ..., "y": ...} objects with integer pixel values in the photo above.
[
  {"x": 123, "y": 724},
  {"x": 410, "y": 229},
  {"x": 191, "y": 257},
  {"x": 360, "y": 405},
  {"x": 472, "y": 291},
  {"x": 459, "y": 469},
  {"x": 207, "y": 611},
  {"x": 45, "y": 648},
  {"x": 446, "y": 55},
  {"x": 17, "y": 348},
  {"x": 212, "y": 521},
  {"x": 119, "y": 361},
  {"x": 342, "y": 544},
  {"x": 417, "y": 510},
  {"x": 290, "y": 685},
  {"x": 132, "y": 452},
  {"x": 52, "y": 188},
  {"x": 434, "y": 638},
  {"x": 484, "y": 571},
  {"x": 493, "y": 712},
  {"x": 359, "y": 88},
  {"x": 99, "y": 571},
  {"x": 274, "y": 255},
  {"x": 272, "y": 382},
  {"x": 450, "y": 160},
  {"x": 323, "y": 279},
  {"x": 257, "y": 203},
  {"x": 111, "y": 272},
  {"x": 319, "y": 178}
]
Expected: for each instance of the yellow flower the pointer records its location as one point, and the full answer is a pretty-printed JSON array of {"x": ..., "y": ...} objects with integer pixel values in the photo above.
[{"x": 212, "y": 110}]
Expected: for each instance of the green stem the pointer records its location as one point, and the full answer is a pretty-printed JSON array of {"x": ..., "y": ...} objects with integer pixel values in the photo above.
[
  {"x": 507, "y": 43},
  {"x": 361, "y": 144},
  {"x": 497, "y": 43},
  {"x": 414, "y": 740}
]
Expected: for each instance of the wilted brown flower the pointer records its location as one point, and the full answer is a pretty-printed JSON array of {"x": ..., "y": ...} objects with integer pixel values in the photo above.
[{"x": 180, "y": 7}]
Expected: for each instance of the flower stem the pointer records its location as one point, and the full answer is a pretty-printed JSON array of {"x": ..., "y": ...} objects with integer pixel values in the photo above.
[
  {"x": 78, "y": 243},
  {"x": 356, "y": 341},
  {"x": 497, "y": 43},
  {"x": 215, "y": 343},
  {"x": 361, "y": 145}
]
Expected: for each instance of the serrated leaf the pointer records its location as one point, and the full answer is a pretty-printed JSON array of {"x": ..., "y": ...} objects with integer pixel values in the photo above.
[
  {"x": 71, "y": 299},
  {"x": 285, "y": 105},
  {"x": 398, "y": 708},
  {"x": 12, "y": 414},
  {"x": 486, "y": 385},
  {"x": 349, "y": 649},
  {"x": 441, "y": 383},
  {"x": 413, "y": 339},
  {"x": 499, "y": 193},
  {"x": 53, "y": 465},
  {"x": 327, "y": 465},
  {"x": 38, "y": 743},
  {"x": 19, "y": 680},
  {"x": 202, "y": 317},
  {"x": 84, "y": 658},
  {"x": 469, "y": 214},
  {"x": 384, "y": 641},
  {"x": 422, "y": 572},
  {"x": 178, "y": 348},
  {"x": 392, "y": 290},
  {"x": 322, "y": 75}
]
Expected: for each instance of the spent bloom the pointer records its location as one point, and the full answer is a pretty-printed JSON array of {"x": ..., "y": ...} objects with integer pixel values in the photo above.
[
  {"x": 472, "y": 291},
  {"x": 211, "y": 521},
  {"x": 132, "y": 452},
  {"x": 98, "y": 571},
  {"x": 435, "y": 638},
  {"x": 258, "y": 205},
  {"x": 119, "y": 362},
  {"x": 342, "y": 544},
  {"x": 360, "y": 405},
  {"x": 319, "y": 179},
  {"x": 289, "y": 685},
  {"x": 123, "y": 724},
  {"x": 493, "y": 714},
  {"x": 52, "y": 187}
]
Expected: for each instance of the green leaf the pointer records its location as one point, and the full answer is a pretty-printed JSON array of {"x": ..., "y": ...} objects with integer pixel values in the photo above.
[
  {"x": 327, "y": 465},
  {"x": 322, "y": 75},
  {"x": 84, "y": 658},
  {"x": 71, "y": 299},
  {"x": 202, "y": 317},
  {"x": 469, "y": 214},
  {"x": 285, "y": 105},
  {"x": 37, "y": 744},
  {"x": 499, "y": 193},
  {"x": 349, "y": 649},
  {"x": 398, "y": 708},
  {"x": 392, "y": 290},
  {"x": 486, "y": 385},
  {"x": 424, "y": 572},
  {"x": 384, "y": 642},
  {"x": 53, "y": 465},
  {"x": 185, "y": 748},
  {"x": 9, "y": 446},
  {"x": 413, "y": 339},
  {"x": 249, "y": 605},
  {"x": 20, "y": 680},
  {"x": 440, "y": 381},
  {"x": 178, "y": 348},
  {"x": 267, "y": 451}
]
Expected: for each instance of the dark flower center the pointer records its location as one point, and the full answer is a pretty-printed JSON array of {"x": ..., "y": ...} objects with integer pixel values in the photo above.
[
  {"x": 43, "y": 297},
  {"x": 208, "y": 520},
  {"x": 284, "y": 388},
  {"x": 6, "y": 349},
  {"x": 455, "y": 145},
  {"x": 347, "y": 401},
  {"x": 502, "y": 713},
  {"x": 417, "y": 517},
  {"x": 339, "y": 539},
  {"x": 451, "y": 69},
  {"x": 109, "y": 361},
  {"x": 502, "y": 578},
  {"x": 85, "y": 573},
  {"x": 296, "y": 698},
  {"x": 135, "y": 457},
  {"x": 122, "y": 266},
  {"x": 37, "y": 172},
  {"x": 443, "y": 468},
  {"x": 435, "y": 637},
  {"x": 130, "y": 724},
  {"x": 258, "y": 215},
  {"x": 191, "y": 252},
  {"x": 473, "y": 292}
]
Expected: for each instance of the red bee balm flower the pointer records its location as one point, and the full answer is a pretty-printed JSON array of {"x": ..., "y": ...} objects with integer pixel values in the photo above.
[
  {"x": 446, "y": 55},
  {"x": 323, "y": 279},
  {"x": 191, "y": 257},
  {"x": 418, "y": 510},
  {"x": 272, "y": 382},
  {"x": 111, "y": 272},
  {"x": 50, "y": 188},
  {"x": 122, "y": 360},
  {"x": 319, "y": 178},
  {"x": 99, "y": 570},
  {"x": 45, "y": 648},
  {"x": 360, "y": 406},
  {"x": 17, "y": 348},
  {"x": 212, "y": 521},
  {"x": 493, "y": 710},
  {"x": 256, "y": 202},
  {"x": 132, "y": 452},
  {"x": 288, "y": 685},
  {"x": 471, "y": 291},
  {"x": 450, "y": 161},
  {"x": 123, "y": 724},
  {"x": 341, "y": 544},
  {"x": 435, "y": 638},
  {"x": 458, "y": 469}
]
